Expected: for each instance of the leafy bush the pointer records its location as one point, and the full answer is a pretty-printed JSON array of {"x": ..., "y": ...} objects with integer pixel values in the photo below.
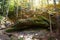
[{"x": 1, "y": 17}]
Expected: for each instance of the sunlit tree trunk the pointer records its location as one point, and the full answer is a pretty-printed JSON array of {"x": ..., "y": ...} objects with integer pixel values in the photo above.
[
  {"x": 41, "y": 4},
  {"x": 50, "y": 19},
  {"x": 7, "y": 10},
  {"x": 1, "y": 6},
  {"x": 54, "y": 1},
  {"x": 48, "y": 3},
  {"x": 17, "y": 9}
]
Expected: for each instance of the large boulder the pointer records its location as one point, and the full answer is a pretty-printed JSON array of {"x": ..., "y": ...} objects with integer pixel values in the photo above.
[
  {"x": 39, "y": 22},
  {"x": 31, "y": 22}
]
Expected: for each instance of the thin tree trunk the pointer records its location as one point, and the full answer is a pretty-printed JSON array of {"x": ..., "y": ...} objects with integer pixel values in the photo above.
[{"x": 54, "y": 1}]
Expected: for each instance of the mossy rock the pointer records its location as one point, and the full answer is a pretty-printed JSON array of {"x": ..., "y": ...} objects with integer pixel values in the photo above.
[{"x": 40, "y": 22}]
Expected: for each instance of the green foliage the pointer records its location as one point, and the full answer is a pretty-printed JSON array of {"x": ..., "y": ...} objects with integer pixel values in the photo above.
[
  {"x": 20, "y": 39},
  {"x": 11, "y": 5},
  {"x": 1, "y": 17},
  {"x": 11, "y": 15},
  {"x": 9, "y": 30}
]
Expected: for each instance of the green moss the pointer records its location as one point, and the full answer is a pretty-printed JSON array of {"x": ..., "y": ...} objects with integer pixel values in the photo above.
[{"x": 34, "y": 24}]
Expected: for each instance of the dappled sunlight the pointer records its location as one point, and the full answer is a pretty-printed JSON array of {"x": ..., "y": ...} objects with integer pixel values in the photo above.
[{"x": 30, "y": 19}]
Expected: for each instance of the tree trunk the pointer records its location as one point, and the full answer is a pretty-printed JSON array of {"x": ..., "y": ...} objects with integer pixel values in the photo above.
[{"x": 54, "y": 1}]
